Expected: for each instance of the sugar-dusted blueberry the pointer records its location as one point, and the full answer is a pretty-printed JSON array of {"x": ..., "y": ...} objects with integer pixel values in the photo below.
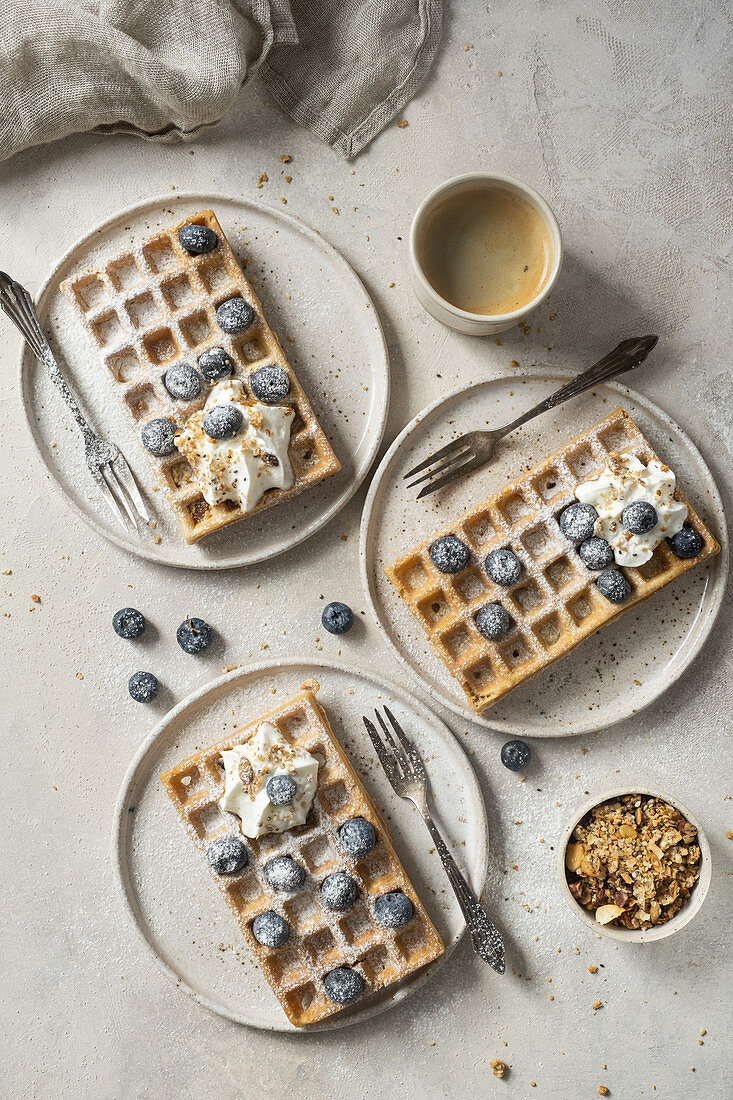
[
  {"x": 339, "y": 891},
  {"x": 578, "y": 521},
  {"x": 128, "y": 623},
  {"x": 343, "y": 985},
  {"x": 281, "y": 789},
  {"x": 493, "y": 621},
  {"x": 143, "y": 687},
  {"x": 215, "y": 363},
  {"x": 270, "y": 929},
  {"x": 284, "y": 873},
  {"x": 234, "y": 315},
  {"x": 639, "y": 517},
  {"x": 270, "y": 384},
  {"x": 227, "y": 855},
  {"x": 687, "y": 543},
  {"x": 194, "y": 635},
  {"x": 393, "y": 910},
  {"x": 613, "y": 585},
  {"x": 449, "y": 555},
  {"x": 515, "y": 755},
  {"x": 337, "y": 617},
  {"x": 223, "y": 421},
  {"x": 596, "y": 553},
  {"x": 158, "y": 436},
  {"x": 504, "y": 567},
  {"x": 197, "y": 239},
  {"x": 357, "y": 837},
  {"x": 182, "y": 382}
]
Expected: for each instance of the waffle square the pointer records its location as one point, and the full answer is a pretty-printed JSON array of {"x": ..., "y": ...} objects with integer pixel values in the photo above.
[
  {"x": 154, "y": 305},
  {"x": 319, "y": 939},
  {"x": 555, "y": 604}
]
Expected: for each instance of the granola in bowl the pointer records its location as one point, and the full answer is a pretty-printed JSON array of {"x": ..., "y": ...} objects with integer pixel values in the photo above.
[{"x": 633, "y": 861}]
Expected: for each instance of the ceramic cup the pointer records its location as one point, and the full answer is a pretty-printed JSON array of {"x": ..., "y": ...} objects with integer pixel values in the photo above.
[
  {"x": 479, "y": 324},
  {"x": 631, "y": 935}
]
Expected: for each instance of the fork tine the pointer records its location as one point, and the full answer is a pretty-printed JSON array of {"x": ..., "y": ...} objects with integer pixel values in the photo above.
[
  {"x": 385, "y": 759},
  {"x": 467, "y": 453},
  {"x": 127, "y": 479},
  {"x": 409, "y": 747},
  {"x": 442, "y": 453},
  {"x": 108, "y": 473},
  {"x": 401, "y": 757},
  {"x": 109, "y": 497},
  {"x": 458, "y": 471}
]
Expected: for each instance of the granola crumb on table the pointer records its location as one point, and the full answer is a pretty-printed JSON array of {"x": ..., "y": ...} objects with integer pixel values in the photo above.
[
  {"x": 633, "y": 861},
  {"x": 498, "y": 1067}
]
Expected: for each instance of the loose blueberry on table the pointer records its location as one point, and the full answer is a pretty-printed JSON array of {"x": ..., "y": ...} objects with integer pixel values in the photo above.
[
  {"x": 493, "y": 621},
  {"x": 284, "y": 873},
  {"x": 578, "y": 521},
  {"x": 687, "y": 543},
  {"x": 194, "y": 635},
  {"x": 214, "y": 364},
  {"x": 197, "y": 239},
  {"x": 339, "y": 891},
  {"x": 270, "y": 929},
  {"x": 128, "y": 623},
  {"x": 393, "y": 910},
  {"x": 281, "y": 790},
  {"x": 143, "y": 687},
  {"x": 337, "y": 618},
  {"x": 515, "y": 755},
  {"x": 234, "y": 316},
  {"x": 223, "y": 421},
  {"x": 227, "y": 855},
  {"x": 449, "y": 555},
  {"x": 343, "y": 985},
  {"x": 504, "y": 567},
  {"x": 357, "y": 837},
  {"x": 270, "y": 384}
]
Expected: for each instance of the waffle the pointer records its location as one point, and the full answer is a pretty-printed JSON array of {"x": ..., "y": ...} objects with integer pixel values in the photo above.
[
  {"x": 319, "y": 939},
  {"x": 555, "y": 603},
  {"x": 155, "y": 304}
]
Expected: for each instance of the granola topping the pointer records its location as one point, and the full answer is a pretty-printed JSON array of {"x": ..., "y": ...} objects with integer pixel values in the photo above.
[{"x": 633, "y": 861}]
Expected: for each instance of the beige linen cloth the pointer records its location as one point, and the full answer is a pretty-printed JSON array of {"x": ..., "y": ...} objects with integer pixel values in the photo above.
[{"x": 164, "y": 69}]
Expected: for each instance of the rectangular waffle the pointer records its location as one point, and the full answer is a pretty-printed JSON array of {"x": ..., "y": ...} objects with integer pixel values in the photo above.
[
  {"x": 555, "y": 603},
  {"x": 319, "y": 940},
  {"x": 155, "y": 304}
]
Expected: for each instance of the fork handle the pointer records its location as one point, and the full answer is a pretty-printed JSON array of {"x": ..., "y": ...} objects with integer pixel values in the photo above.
[
  {"x": 17, "y": 304},
  {"x": 629, "y": 354},
  {"x": 486, "y": 938}
]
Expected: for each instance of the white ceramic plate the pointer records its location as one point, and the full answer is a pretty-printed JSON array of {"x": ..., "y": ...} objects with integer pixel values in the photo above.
[
  {"x": 309, "y": 292},
  {"x": 168, "y": 892},
  {"x": 627, "y": 664}
]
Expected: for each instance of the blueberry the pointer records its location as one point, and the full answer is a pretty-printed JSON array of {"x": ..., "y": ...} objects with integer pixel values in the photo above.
[
  {"x": 357, "y": 837},
  {"x": 515, "y": 755},
  {"x": 639, "y": 517},
  {"x": 493, "y": 621},
  {"x": 182, "y": 382},
  {"x": 283, "y": 873},
  {"x": 227, "y": 855},
  {"x": 596, "y": 553},
  {"x": 223, "y": 421},
  {"x": 449, "y": 555},
  {"x": 128, "y": 623},
  {"x": 281, "y": 790},
  {"x": 504, "y": 567},
  {"x": 578, "y": 521},
  {"x": 215, "y": 364},
  {"x": 687, "y": 543},
  {"x": 143, "y": 687},
  {"x": 337, "y": 617},
  {"x": 194, "y": 635},
  {"x": 158, "y": 436},
  {"x": 235, "y": 315},
  {"x": 270, "y": 384},
  {"x": 613, "y": 585},
  {"x": 197, "y": 239},
  {"x": 270, "y": 929},
  {"x": 393, "y": 909},
  {"x": 343, "y": 985},
  {"x": 339, "y": 891}
]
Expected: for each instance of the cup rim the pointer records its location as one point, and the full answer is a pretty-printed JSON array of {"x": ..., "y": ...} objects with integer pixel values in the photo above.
[
  {"x": 655, "y": 932},
  {"x": 486, "y": 177}
]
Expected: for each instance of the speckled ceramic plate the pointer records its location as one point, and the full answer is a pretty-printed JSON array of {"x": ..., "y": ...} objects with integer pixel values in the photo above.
[
  {"x": 338, "y": 351},
  {"x": 620, "y": 669},
  {"x": 168, "y": 892}
]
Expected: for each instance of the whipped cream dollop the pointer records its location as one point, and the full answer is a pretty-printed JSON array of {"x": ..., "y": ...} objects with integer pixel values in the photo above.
[
  {"x": 623, "y": 480},
  {"x": 250, "y": 766},
  {"x": 243, "y": 467}
]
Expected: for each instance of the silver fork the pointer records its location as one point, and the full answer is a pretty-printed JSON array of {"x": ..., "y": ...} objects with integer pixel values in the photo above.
[
  {"x": 405, "y": 770},
  {"x": 105, "y": 461},
  {"x": 475, "y": 449}
]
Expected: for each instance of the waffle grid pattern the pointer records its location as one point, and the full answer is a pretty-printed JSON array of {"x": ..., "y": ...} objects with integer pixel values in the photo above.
[
  {"x": 319, "y": 939},
  {"x": 155, "y": 305},
  {"x": 555, "y": 604}
]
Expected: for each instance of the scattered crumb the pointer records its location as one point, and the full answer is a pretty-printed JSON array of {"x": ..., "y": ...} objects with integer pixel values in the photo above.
[
  {"x": 261, "y": 180},
  {"x": 498, "y": 1067},
  {"x": 7, "y": 572},
  {"x": 597, "y": 1005},
  {"x": 80, "y": 676},
  {"x": 283, "y": 200},
  {"x": 729, "y": 834},
  {"x": 401, "y": 124},
  {"x": 288, "y": 179},
  {"x": 390, "y": 284},
  {"x": 35, "y": 598},
  {"x": 157, "y": 540},
  {"x": 602, "y": 1090},
  {"x": 469, "y": 46},
  {"x": 285, "y": 158},
  {"x": 335, "y": 209},
  {"x": 533, "y": 1084},
  {"x": 703, "y": 1031},
  {"x": 592, "y": 969}
]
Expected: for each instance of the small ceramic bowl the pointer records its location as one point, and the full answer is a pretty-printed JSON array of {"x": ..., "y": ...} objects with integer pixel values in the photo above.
[
  {"x": 659, "y": 931},
  {"x": 479, "y": 324}
]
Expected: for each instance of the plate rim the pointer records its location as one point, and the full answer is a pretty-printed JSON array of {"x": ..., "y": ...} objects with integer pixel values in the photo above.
[
  {"x": 504, "y": 726},
  {"x": 121, "y": 829},
  {"x": 383, "y": 383}
]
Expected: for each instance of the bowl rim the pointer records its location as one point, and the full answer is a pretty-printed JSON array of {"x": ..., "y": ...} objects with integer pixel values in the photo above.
[
  {"x": 656, "y": 932},
  {"x": 456, "y": 183}
]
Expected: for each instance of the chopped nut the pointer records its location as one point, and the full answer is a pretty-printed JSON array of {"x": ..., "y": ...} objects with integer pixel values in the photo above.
[
  {"x": 498, "y": 1067},
  {"x": 602, "y": 1090},
  {"x": 596, "y": 1005}
]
